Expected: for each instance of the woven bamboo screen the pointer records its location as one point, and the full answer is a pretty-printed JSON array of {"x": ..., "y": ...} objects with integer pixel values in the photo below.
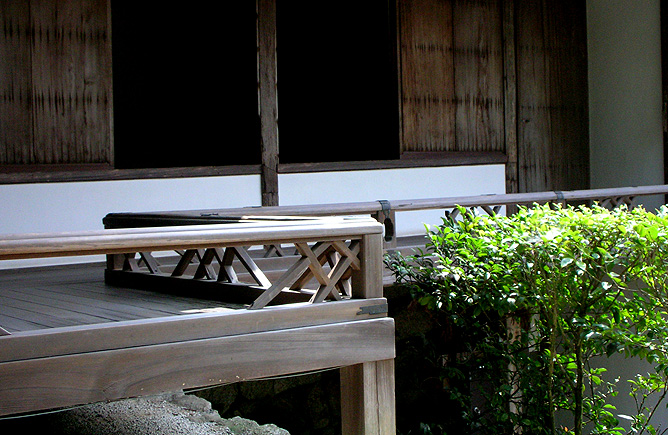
[
  {"x": 452, "y": 84},
  {"x": 451, "y": 56},
  {"x": 553, "y": 132},
  {"x": 55, "y": 82}
]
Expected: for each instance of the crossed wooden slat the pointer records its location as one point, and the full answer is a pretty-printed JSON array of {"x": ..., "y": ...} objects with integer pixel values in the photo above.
[
  {"x": 334, "y": 282},
  {"x": 616, "y": 201},
  {"x": 608, "y": 202},
  {"x": 310, "y": 265},
  {"x": 492, "y": 211},
  {"x": 341, "y": 259},
  {"x": 225, "y": 257}
]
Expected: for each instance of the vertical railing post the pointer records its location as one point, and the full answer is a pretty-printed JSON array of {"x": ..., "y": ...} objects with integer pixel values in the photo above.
[
  {"x": 268, "y": 106},
  {"x": 368, "y": 281}
]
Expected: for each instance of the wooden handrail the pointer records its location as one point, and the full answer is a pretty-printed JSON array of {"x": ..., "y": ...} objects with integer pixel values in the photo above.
[
  {"x": 528, "y": 198},
  {"x": 370, "y": 207},
  {"x": 383, "y": 210},
  {"x": 111, "y": 241}
]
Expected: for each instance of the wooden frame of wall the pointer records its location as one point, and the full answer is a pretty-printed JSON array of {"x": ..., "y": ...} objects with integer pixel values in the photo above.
[{"x": 506, "y": 97}]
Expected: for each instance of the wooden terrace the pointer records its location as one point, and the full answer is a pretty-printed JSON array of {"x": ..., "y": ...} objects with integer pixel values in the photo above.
[{"x": 73, "y": 337}]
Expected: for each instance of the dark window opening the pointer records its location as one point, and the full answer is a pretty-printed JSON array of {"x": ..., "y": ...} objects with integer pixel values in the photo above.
[
  {"x": 185, "y": 84},
  {"x": 337, "y": 81}
]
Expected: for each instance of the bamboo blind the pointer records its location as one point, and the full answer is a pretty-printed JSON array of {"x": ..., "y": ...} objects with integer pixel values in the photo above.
[
  {"x": 55, "y": 82},
  {"x": 451, "y": 75},
  {"x": 553, "y": 148},
  {"x": 452, "y": 84}
]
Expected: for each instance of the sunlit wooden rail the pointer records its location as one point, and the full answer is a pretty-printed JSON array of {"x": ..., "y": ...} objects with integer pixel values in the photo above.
[{"x": 341, "y": 322}]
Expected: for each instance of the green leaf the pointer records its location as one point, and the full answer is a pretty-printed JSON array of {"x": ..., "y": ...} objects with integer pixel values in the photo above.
[{"x": 566, "y": 261}]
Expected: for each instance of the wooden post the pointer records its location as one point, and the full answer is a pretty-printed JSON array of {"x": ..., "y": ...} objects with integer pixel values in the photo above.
[
  {"x": 368, "y": 281},
  {"x": 268, "y": 108},
  {"x": 367, "y": 398},
  {"x": 367, "y": 389},
  {"x": 510, "y": 100}
]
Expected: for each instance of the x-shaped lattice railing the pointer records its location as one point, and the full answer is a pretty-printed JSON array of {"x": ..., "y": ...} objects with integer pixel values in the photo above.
[{"x": 329, "y": 264}]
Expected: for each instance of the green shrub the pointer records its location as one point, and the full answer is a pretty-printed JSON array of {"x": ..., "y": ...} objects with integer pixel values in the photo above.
[{"x": 532, "y": 300}]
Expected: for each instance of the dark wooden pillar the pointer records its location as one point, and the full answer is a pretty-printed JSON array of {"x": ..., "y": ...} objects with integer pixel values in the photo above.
[
  {"x": 510, "y": 96},
  {"x": 266, "y": 28},
  {"x": 664, "y": 85}
]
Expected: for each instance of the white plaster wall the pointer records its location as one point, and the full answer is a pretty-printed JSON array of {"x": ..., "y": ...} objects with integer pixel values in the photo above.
[
  {"x": 393, "y": 184},
  {"x": 80, "y": 206},
  {"x": 624, "y": 52}
]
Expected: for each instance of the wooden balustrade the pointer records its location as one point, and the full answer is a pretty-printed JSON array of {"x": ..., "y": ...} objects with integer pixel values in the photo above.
[
  {"x": 336, "y": 271},
  {"x": 329, "y": 251}
]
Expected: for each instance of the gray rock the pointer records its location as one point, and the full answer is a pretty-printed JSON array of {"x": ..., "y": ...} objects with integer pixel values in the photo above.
[
  {"x": 169, "y": 414},
  {"x": 241, "y": 426}
]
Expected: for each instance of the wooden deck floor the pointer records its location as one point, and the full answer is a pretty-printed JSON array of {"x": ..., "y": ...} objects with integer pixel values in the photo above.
[
  {"x": 71, "y": 339},
  {"x": 51, "y": 297},
  {"x": 71, "y": 295}
]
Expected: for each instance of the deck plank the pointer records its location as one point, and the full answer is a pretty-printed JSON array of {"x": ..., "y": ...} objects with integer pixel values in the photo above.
[
  {"x": 39, "y": 319},
  {"x": 85, "y": 305},
  {"x": 143, "y": 299},
  {"x": 52, "y": 311},
  {"x": 15, "y": 324},
  {"x": 61, "y": 296}
]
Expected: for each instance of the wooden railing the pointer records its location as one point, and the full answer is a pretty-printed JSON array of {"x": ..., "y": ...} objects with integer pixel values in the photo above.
[
  {"x": 385, "y": 210},
  {"x": 59, "y": 367},
  {"x": 342, "y": 256}
]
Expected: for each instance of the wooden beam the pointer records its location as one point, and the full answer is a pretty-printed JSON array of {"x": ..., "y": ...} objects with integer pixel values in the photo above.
[
  {"x": 137, "y": 333},
  {"x": 89, "y": 377},
  {"x": 268, "y": 108}
]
